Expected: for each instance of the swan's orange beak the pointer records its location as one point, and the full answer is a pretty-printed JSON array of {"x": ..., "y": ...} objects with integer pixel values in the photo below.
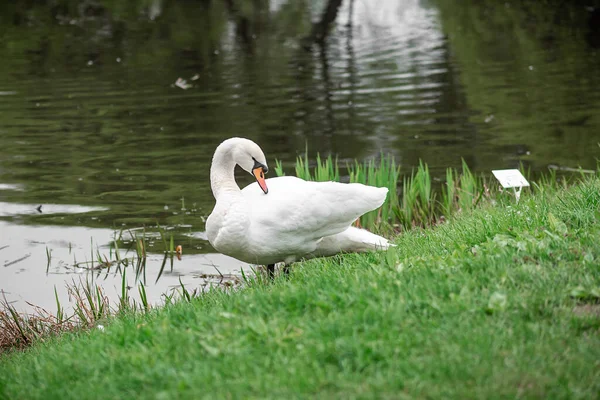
[{"x": 259, "y": 174}]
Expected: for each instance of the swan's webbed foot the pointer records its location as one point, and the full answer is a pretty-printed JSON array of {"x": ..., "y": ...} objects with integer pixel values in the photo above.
[{"x": 271, "y": 270}]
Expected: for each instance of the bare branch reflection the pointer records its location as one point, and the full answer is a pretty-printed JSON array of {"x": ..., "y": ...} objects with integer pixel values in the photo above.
[{"x": 321, "y": 29}]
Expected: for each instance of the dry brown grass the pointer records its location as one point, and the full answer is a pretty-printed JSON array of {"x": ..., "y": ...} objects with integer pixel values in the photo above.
[{"x": 18, "y": 331}]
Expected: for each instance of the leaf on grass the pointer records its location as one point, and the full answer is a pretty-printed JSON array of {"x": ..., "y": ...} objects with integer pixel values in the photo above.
[
  {"x": 504, "y": 240},
  {"x": 212, "y": 351},
  {"x": 584, "y": 294},
  {"x": 557, "y": 225},
  {"x": 227, "y": 315},
  {"x": 391, "y": 258},
  {"x": 400, "y": 267},
  {"x": 522, "y": 245},
  {"x": 588, "y": 258},
  {"x": 496, "y": 303}
]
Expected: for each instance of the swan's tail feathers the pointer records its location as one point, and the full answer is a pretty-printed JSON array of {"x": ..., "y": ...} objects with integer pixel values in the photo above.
[
  {"x": 369, "y": 241},
  {"x": 352, "y": 240},
  {"x": 378, "y": 195}
]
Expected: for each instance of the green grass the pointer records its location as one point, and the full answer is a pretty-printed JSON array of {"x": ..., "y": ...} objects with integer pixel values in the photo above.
[{"x": 502, "y": 302}]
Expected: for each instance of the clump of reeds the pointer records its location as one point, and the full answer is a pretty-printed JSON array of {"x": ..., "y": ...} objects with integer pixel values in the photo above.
[
  {"x": 323, "y": 170},
  {"x": 18, "y": 331},
  {"x": 384, "y": 173}
]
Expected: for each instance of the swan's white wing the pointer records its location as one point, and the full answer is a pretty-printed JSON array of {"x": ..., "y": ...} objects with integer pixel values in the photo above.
[{"x": 296, "y": 214}]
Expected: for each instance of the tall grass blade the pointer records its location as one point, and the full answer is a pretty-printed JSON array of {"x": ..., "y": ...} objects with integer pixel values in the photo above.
[
  {"x": 60, "y": 312},
  {"x": 49, "y": 257},
  {"x": 279, "y": 168},
  {"x": 184, "y": 292},
  {"x": 143, "y": 297},
  {"x": 162, "y": 267},
  {"x": 124, "y": 299}
]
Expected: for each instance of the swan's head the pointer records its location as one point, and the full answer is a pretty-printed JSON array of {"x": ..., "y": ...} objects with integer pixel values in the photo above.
[{"x": 250, "y": 157}]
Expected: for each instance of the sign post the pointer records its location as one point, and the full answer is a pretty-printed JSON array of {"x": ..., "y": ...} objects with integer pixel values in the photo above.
[{"x": 511, "y": 178}]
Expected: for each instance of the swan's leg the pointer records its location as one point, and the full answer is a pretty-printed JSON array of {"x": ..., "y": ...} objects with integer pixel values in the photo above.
[{"x": 271, "y": 270}]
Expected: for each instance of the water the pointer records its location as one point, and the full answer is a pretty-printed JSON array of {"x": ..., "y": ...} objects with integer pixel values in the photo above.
[{"x": 94, "y": 129}]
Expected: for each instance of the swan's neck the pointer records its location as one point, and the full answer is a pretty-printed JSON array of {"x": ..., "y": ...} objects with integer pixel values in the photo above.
[{"x": 222, "y": 172}]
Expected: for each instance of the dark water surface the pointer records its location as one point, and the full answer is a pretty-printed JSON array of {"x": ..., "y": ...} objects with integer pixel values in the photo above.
[{"x": 94, "y": 129}]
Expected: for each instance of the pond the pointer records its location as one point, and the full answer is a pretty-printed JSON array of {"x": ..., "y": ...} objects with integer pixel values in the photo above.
[{"x": 110, "y": 112}]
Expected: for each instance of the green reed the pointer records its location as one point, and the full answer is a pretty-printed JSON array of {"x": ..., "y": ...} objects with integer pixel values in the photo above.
[
  {"x": 384, "y": 173},
  {"x": 324, "y": 170}
]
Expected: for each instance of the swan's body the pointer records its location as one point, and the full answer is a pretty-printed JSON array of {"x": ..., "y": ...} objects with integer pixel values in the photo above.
[{"x": 296, "y": 219}]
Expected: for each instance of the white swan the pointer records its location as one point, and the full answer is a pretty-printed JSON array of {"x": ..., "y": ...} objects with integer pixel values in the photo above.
[{"x": 284, "y": 219}]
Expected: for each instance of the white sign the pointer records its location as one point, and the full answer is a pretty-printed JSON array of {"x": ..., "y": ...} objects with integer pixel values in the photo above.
[{"x": 510, "y": 178}]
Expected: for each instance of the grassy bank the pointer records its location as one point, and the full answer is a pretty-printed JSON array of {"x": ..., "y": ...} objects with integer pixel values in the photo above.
[{"x": 502, "y": 302}]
